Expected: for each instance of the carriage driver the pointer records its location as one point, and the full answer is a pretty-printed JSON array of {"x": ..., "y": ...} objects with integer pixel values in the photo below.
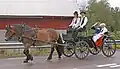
[
  {"x": 83, "y": 21},
  {"x": 75, "y": 21},
  {"x": 100, "y": 30}
]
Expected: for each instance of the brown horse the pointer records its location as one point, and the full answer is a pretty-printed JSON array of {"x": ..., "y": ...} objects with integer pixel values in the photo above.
[{"x": 34, "y": 37}]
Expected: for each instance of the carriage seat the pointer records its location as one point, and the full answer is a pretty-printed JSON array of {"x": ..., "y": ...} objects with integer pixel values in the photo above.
[{"x": 67, "y": 36}]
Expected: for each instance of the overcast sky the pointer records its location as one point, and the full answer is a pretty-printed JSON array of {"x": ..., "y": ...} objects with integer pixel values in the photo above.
[{"x": 114, "y": 3}]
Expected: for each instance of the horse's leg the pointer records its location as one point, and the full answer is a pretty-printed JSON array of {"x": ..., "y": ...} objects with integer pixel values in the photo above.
[
  {"x": 59, "y": 51},
  {"x": 50, "y": 55},
  {"x": 29, "y": 56}
]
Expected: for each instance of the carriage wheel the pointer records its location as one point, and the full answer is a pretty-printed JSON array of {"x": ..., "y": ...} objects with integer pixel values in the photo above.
[
  {"x": 81, "y": 50},
  {"x": 93, "y": 50},
  {"x": 109, "y": 47},
  {"x": 69, "y": 49}
]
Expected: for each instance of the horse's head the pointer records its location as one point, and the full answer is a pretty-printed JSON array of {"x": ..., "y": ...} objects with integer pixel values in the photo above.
[
  {"x": 15, "y": 30},
  {"x": 10, "y": 32}
]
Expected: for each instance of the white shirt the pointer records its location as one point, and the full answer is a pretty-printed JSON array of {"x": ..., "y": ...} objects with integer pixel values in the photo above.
[
  {"x": 84, "y": 22},
  {"x": 75, "y": 23},
  {"x": 98, "y": 35},
  {"x": 103, "y": 30}
]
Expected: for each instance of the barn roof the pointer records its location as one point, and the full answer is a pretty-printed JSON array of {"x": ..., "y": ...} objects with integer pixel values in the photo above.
[
  {"x": 34, "y": 16},
  {"x": 37, "y": 7}
]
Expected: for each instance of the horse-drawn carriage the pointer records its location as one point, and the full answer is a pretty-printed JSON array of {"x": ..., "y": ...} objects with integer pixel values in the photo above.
[
  {"x": 82, "y": 45},
  {"x": 79, "y": 45}
]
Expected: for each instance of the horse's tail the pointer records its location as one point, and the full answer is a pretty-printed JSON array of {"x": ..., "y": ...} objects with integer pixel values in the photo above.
[{"x": 60, "y": 41}]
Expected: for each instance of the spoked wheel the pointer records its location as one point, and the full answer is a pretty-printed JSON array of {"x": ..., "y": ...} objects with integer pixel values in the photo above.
[
  {"x": 93, "y": 51},
  {"x": 69, "y": 49},
  {"x": 81, "y": 50},
  {"x": 109, "y": 47}
]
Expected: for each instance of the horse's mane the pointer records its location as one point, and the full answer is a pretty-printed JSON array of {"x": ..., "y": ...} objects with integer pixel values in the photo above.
[{"x": 19, "y": 28}]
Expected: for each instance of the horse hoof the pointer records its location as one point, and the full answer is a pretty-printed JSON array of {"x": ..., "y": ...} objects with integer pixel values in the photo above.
[
  {"x": 31, "y": 59},
  {"x": 49, "y": 58},
  {"x": 59, "y": 58},
  {"x": 25, "y": 61}
]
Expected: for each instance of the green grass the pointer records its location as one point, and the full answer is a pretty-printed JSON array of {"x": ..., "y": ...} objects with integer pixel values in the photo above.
[
  {"x": 41, "y": 52},
  {"x": 118, "y": 46}
]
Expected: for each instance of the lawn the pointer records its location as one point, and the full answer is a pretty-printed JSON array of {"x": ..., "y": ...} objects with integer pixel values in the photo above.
[{"x": 19, "y": 53}]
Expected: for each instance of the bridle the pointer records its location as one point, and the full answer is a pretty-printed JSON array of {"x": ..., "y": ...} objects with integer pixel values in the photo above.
[{"x": 12, "y": 31}]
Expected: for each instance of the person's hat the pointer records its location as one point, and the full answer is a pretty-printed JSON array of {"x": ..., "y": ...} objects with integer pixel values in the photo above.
[
  {"x": 102, "y": 24},
  {"x": 75, "y": 12},
  {"x": 82, "y": 12}
]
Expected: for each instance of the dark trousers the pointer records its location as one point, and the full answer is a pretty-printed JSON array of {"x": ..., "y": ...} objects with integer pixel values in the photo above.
[{"x": 75, "y": 31}]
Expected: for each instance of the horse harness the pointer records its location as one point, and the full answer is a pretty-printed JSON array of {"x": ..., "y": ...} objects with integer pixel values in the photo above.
[{"x": 32, "y": 34}]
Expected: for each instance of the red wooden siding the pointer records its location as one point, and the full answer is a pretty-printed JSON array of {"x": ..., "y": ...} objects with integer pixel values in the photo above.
[{"x": 58, "y": 23}]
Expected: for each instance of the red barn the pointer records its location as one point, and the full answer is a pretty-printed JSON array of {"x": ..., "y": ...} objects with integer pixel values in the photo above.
[{"x": 57, "y": 22}]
